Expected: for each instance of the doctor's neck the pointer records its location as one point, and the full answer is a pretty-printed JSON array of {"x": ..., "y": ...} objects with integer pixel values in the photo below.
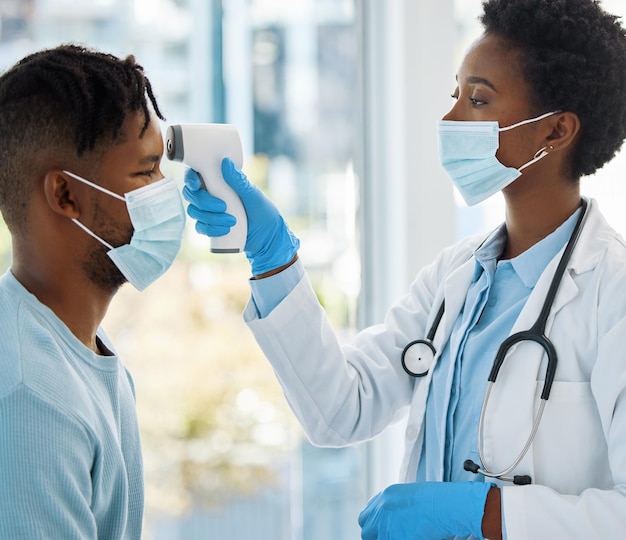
[{"x": 531, "y": 215}]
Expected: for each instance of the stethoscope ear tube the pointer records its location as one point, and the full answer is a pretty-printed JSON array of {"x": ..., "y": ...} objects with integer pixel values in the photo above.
[{"x": 518, "y": 479}]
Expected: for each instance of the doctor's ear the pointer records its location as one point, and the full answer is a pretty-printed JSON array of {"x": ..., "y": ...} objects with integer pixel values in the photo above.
[
  {"x": 566, "y": 126},
  {"x": 60, "y": 194}
]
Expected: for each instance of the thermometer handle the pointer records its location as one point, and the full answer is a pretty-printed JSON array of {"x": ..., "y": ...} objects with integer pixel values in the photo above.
[{"x": 203, "y": 147}]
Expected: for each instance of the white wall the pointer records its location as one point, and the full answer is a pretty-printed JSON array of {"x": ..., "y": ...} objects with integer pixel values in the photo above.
[{"x": 407, "y": 205}]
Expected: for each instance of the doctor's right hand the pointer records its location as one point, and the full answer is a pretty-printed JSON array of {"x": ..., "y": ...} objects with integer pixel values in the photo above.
[
  {"x": 269, "y": 242},
  {"x": 425, "y": 511}
]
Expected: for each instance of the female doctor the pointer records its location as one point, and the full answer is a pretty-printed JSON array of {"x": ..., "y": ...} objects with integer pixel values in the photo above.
[{"x": 540, "y": 101}]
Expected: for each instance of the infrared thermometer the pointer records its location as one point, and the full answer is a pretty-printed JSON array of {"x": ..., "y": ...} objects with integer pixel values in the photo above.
[{"x": 202, "y": 147}]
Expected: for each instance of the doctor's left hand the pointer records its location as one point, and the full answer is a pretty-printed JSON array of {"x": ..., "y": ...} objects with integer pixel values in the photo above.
[{"x": 425, "y": 511}]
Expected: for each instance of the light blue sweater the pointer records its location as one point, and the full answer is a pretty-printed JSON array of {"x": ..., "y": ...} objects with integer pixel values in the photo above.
[{"x": 70, "y": 456}]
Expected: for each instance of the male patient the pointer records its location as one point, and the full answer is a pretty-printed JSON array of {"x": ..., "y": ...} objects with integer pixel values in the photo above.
[{"x": 88, "y": 209}]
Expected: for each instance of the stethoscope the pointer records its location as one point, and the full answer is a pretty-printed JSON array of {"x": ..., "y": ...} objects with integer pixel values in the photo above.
[{"x": 419, "y": 355}]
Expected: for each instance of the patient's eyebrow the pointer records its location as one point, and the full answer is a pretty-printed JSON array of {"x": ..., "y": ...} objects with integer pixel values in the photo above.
[{"x": 153, "y": 158}]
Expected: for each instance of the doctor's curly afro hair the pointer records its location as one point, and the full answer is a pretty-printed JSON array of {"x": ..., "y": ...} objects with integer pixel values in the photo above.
[
  {"x": 574, "y": 59},
  {"x": 58, "y": 106}
]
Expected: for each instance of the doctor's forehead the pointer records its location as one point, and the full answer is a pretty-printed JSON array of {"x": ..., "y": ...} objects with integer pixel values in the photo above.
[{"x": 491, "y": 61}]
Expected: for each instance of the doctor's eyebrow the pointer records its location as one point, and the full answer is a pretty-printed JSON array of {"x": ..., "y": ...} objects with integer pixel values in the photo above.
[{"x": 478, "y": 80}]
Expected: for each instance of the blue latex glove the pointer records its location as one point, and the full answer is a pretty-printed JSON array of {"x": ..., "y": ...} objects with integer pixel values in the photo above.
[
  {"x": 425, "y": 511},
  {"x": 269, "y": 243}
]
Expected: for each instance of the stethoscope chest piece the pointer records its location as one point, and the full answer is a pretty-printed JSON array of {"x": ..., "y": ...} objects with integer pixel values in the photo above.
[{"x": 417, "y": 357}]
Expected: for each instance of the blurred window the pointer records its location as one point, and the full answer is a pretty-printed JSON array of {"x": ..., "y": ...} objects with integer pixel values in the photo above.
[{"x": 224, "y": 456}]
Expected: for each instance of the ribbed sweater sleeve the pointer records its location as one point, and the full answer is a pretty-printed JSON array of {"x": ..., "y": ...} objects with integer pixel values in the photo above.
[{"x": 45, "y": 461}]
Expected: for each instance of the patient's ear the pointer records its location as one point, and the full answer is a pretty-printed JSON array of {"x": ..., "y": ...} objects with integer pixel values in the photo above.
[{"x": 58, "y": 190}]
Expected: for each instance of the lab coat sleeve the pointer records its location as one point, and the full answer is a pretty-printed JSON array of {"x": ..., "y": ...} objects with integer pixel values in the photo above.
[
  {"x": 343, "y": 394},
  {"x": 538, "y": 512}
]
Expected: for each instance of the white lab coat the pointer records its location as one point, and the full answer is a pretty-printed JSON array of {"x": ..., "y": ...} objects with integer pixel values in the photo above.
[{"x": 346, "y": 394}]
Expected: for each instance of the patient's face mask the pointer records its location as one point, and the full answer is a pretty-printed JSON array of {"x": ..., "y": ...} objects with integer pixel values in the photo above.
[
  {"x": 467, "y": 151},
  {"x": 158, "y": 217}
]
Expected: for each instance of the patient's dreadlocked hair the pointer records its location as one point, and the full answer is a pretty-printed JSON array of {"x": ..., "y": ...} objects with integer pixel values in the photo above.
[{"x": 57, "y": 105}]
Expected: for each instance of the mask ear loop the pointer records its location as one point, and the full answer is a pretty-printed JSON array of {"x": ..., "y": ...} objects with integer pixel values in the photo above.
[
  {"x": 92, "y": 234},
  {"x": 96, "y": 186},
  {"x": 99, "y": 188},
  {"x": 529, "y": 121},
  {"x": 540, "y": 154}
]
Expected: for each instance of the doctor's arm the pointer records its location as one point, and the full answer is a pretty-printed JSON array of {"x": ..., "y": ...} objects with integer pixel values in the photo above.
[{"x": 368, "y": 388}]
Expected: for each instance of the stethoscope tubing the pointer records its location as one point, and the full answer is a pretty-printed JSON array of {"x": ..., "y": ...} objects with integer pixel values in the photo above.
[
  {"x": 502, "y": 475},
  {"x": 537, "y": 334}
]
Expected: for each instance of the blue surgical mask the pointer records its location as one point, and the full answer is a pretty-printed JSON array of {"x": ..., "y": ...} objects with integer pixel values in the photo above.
[
  {"x": 158, "y": 217},
  {"x": 467, "y": 151}
]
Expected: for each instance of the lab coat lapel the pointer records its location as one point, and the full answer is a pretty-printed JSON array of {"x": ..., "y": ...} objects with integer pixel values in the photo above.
[
  {"x": 455, "y": 291},
  {"x": 456, "y": 285}
]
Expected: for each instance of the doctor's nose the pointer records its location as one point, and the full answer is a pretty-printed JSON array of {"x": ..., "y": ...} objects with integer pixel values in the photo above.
[{"x": 453, "y": 113}]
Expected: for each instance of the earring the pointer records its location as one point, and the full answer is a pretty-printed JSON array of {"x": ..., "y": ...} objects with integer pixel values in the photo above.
[{"x": 544, "y": 151}]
